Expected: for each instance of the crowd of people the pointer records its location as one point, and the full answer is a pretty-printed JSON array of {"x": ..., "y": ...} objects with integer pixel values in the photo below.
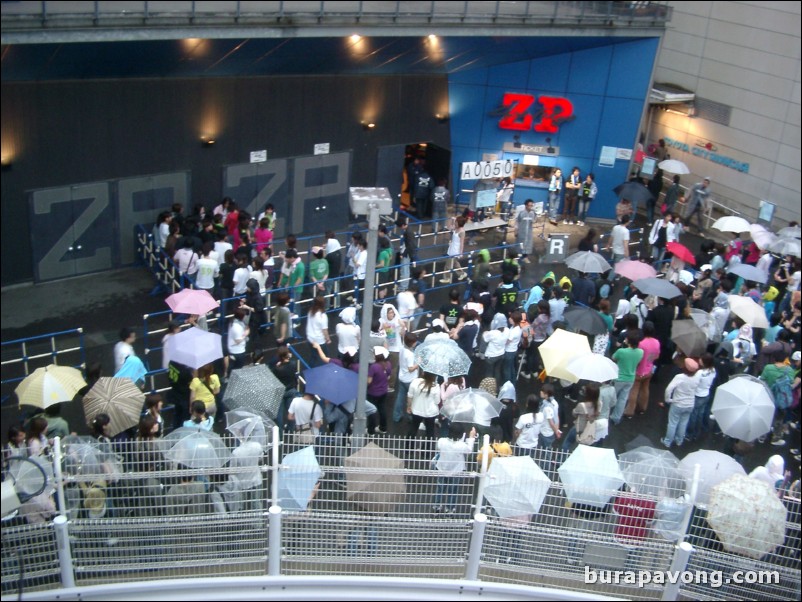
[{"x": 500, "y": 328}]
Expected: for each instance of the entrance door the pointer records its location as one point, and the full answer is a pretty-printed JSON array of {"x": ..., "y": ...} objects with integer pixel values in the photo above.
[{"x": 72, "y": 230}]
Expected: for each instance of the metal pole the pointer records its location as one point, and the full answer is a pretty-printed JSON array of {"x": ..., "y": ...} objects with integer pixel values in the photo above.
[
  {"x": 274, "y": 541},
  {"x": 59, "y": 477},
  {"x": 681, "y": 555},
  {"x": 360, "y": 422},
  {"x": 64, "y": 552},
  {"x": 475, "y": 550},
  {"x": 275, "y": 467},
  {"x": 480, "y": 490}
]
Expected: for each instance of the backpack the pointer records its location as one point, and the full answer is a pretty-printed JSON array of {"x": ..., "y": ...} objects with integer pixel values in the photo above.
[{"x": 783, "y": 391}]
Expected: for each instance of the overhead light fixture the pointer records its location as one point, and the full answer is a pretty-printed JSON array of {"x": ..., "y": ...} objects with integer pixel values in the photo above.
[
  {"x": 684, "y": 109},
  {"x": 207, "y": 142},
  {"x": 432, "y": 37},
  {"x": 442, "y": 117},
  {"x": 356, "y": 37},
  {"x": 368, "y": 125},
  {"x": 517, "y": 139}
]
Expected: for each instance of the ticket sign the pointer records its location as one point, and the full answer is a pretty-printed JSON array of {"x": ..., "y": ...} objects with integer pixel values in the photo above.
[
  {"x": 483, "y": 170},
  {"x": 556, "y": 248}
]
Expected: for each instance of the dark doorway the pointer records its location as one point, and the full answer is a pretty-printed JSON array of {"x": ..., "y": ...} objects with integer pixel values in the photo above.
[{"x": 400, "y": 166}]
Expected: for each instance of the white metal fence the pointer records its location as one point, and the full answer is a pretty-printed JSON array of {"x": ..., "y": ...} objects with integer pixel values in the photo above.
[{"x": 369, "y": 511}]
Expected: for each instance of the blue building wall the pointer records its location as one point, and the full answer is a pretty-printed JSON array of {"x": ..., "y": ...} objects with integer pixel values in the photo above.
[{"x": 607, "y": 87}]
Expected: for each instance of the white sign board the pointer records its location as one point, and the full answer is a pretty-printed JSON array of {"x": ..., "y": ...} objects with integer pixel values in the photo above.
[
  {"x": 258, "y": 156},
  {"x": 607, "y": 157},
  {"x": 322, "y": 148},
  {"x": 483, "y": 170},
  {"x": 623, "y": 153}
]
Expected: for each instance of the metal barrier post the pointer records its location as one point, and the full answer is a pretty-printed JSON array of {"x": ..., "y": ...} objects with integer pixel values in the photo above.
[
  {"x": 275, "y": 466},
  {"x": 480, "y": 490},
  {"x": 64, "y": 552},
  {"x": 59, "y": 477},
  {"x": 274, "y": 541},
  {"x": 475, "y": 550},
  {"x": 681, "y": 555}
]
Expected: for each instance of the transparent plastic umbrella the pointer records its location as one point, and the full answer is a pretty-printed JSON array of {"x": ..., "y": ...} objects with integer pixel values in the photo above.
[
  {"x": 516, "y": 486},
  {"x": 653, "y": 472},
  {"x": 708, "y": 324},
  {"x": 762, "y": 237},
  {"x": 473, "y": 406},
  {"x": 674, "y": 166},
  {"x": 249, "y": 425},
  {"x": 749, "y": 311},
  {"x": 31, "y": 476},
  {"x": 442, "y": 357},
  {"x": 196, "y": 448},
  {"x": 88, "y": 457},
  {"x": 786, "y": 246},
  {"x": 591, "y": 476}
]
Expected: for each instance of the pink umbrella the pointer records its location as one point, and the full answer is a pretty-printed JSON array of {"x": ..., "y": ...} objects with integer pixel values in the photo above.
[
  {"x": 634, "y": 270},
  {"x": 192, "y": 301}
]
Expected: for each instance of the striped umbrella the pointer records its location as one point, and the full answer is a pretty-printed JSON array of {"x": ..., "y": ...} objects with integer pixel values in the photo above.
[
  {"x": 120, "y": 398},
  {"x": 49, "y": 385}
]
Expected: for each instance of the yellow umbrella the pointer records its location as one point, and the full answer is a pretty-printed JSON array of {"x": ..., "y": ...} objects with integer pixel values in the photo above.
[
  {"x": 559, "y": 349},
  {"x": 50, "y": 385}
]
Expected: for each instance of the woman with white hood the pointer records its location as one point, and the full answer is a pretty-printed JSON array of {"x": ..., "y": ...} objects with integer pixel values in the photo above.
[
  {"x": 394, "y": 330},
  {"x": 621, "y": 312},
  {"x": 773, "y": 473},
  {"x": 347, "y": 331}
]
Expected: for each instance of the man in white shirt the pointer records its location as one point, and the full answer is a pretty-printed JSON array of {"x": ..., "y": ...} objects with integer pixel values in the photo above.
[
  {"x": 307, "y": 415},
  {"x": 208, "y": 269},
  {"x": 619, "y": 240},
  {"x": 124, "y": 347}
]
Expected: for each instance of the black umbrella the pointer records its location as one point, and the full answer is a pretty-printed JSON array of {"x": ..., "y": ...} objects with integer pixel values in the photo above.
[
  {"x": 634, "y": 191},
  {"x": 585, "y": 320}
]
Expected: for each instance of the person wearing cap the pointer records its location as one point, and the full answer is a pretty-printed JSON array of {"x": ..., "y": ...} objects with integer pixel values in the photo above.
[
  {"x": 439, "y": 331},
  {"x": 697, "y": 202},
  {"x": 744, "y": 349},
  {"x": 681, "y": 395},
  {"x": 347, "y": 331}
]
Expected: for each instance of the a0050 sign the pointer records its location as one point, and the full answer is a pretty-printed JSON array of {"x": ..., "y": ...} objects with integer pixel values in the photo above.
[{"x": 486, "y": 169}]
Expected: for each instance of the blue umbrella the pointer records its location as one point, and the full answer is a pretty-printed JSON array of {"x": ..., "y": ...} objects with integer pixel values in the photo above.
[
  {"x": 299, "y": 474},
  {"x": 332, "y": 382}
]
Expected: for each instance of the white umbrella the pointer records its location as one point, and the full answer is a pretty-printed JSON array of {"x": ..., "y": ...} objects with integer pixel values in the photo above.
[
  {"x": 749, "y": 272},
  {"x": 196, "y": 448},
  {"x": 731, "y": 223},
  {"x": 195, "y": 348},
  {"x": 559, "y": 349},
  {"x": 749, "y": 311},
  {"x": 674, "y": 166},
  {"x": 786, "y": 246},
  {"x": 714, "y": 466},
  {"x": 747, "y": 516},
  {"x": 591, "y": 476},
  {"x": 249, "y": 425},
  {"x": 743, "y": 407},
  {"x": 516, "y": 486},
  {"x": 587, "y": 262},
  {"x": 762, "y": 237},
  {"x": 593, "y": 367}
]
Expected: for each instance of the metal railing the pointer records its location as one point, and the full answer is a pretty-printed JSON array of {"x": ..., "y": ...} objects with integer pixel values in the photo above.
[
  {"x": 21, "y": 15},
  {"x": 356, "y": 507},
  {"x": 22, "y": 356}
]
